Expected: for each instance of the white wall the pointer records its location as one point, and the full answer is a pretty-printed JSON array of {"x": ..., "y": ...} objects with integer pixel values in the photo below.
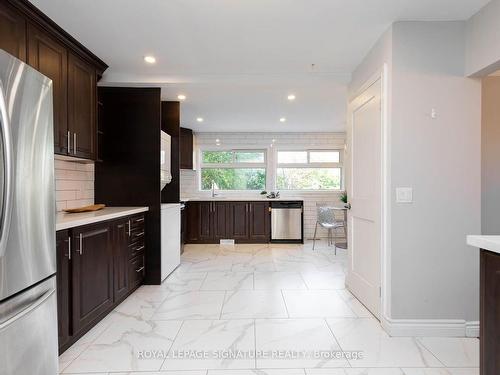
[
  {"x": 490, "y": 156},
  {"x": 483, "y": 41},
  {"x": 432, "y": 274},
  {"x": 190, "y": 179},
  {"x": 435, "y": 275},
  {"x": 74, "y": 184}
]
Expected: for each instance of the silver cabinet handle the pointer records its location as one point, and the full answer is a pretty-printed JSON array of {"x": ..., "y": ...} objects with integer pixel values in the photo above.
[
  {"x": 69, "y": 142},
  {"x": 80, "y": 251},
  {"x": 139, "y": 248},
  {"x": 139, "y": 269},
  {"x": 69, "y": 248},
  {"x": 129, "y": 227},
  {"x": 74, "y": 143},
  {"x": 6, "y": 159},
  {"x": 139, "y": 234},
  {"x": 140, "y": 220}
]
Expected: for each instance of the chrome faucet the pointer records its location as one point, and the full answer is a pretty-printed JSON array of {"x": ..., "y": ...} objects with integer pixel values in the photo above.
[{"x": 214, "y": 186}]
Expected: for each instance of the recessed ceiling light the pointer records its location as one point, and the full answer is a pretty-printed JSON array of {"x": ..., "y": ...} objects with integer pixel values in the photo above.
[
  {"x": 282, "y": 119},
  {"x": 217, "y": 140},
  {"x": 181, "y": 97},
  {"x": 274, "y": 140},
  {"x": 199, "y": 119},
  {"x": 291, "y": 97},
  {"x": 150, "y": 59}
]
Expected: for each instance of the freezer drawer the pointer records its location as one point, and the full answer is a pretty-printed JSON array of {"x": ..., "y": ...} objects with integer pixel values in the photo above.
[
  {"x": 286, "y": 224},
  {"x": 28, "y": 331}
]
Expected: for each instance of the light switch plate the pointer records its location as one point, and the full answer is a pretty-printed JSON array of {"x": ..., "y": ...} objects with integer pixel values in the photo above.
[{"x": 404, "y": 195}]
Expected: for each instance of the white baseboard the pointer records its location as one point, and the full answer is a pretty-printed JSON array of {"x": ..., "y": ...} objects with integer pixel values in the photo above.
[
  {"x": 472, "y": 329},
  {"x": 430, "y": 327}
]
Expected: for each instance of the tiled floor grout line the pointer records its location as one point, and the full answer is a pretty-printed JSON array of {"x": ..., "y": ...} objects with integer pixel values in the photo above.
[
  {"x": 222, "y": 306},
  {"x": 172, "y": 345},
  {"x": 284, "y": 301},
  {"x": 336, "y": 340}
]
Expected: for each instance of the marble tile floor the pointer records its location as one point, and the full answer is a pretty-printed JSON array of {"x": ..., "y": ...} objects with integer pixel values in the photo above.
[{"x": 257, "y": 310}]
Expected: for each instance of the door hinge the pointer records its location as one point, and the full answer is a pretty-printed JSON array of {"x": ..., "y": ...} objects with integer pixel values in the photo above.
[
  {"x": 380, "y": 291},
  {"x": 270, "y": 209}
]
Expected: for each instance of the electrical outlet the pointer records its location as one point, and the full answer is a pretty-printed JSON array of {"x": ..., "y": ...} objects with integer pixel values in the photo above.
[{"x": 404, "y": 195}]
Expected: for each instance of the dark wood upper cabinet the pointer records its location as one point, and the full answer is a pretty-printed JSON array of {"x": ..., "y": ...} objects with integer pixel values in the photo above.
[
  {"x": 120, "y": 259},
  {"x": 50, "y": 58},
  {"x": 63, "y": 255},
  {"x": 260, "y": 222},
  {"x": 28, "y": 34},
  {"x": 12, "y": 31},
  {"x": 82, "y": 107},
  {"x": 92, "y": 276},
  {"x": 186, "y": 149}
]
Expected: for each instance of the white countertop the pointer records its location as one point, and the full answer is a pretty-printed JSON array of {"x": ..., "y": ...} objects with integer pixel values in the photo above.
[
  {"x": 491, "y": 243},
  {"x": 239, "y": 199},
  {"x": 65, "y": 220}
]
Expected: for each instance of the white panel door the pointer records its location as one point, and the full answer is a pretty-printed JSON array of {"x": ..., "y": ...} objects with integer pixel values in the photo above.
[{"x": 363, "y": 277}]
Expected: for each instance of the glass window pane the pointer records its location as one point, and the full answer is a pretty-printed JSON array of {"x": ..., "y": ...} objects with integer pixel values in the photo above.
[
  {"x": 295, "y": 157},
  {"x": 217, "y": 157},
  {"x": 249, "y": 157},
  {"x": 324, "y": 157},
  {"x": 308, "y": 178},
  {"x": 234, "y": 178}
]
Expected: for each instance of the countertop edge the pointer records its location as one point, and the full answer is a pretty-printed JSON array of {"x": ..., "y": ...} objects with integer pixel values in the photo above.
[
  {"x": 79, "y": 221},
  {"x": 490, "y": 243},
  {"x": 235, "y": 199}
]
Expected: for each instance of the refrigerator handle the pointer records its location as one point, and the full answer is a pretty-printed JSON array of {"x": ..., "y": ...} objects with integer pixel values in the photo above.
[
  {"x": 44, "y": 297},
  {"x": 6, "y": 203}
]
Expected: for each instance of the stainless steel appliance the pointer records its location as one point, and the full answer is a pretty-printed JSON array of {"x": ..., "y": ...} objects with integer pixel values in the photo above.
[
  {"x": 287, "y": 222},
  {"x": 28, "y": 311}
]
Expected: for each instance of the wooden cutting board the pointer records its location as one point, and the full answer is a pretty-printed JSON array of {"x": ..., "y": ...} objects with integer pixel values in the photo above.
[{"x": 94, "y": 207}]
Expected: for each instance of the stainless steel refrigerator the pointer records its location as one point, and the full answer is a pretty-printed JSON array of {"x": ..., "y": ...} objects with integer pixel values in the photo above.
[{"x": 28, "y": 309}]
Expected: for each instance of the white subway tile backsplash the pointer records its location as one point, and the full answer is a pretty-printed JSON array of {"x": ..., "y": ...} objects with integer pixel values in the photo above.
[
  {"x": 189, "y": 179},
  {"x": 74, "y": 184}
]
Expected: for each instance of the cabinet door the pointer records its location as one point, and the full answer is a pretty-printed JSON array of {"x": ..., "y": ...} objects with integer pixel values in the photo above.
[
  {"x": 82, "y": 107},
  {"x": 120, "y": 259},
  {"x": 63, "y": 256},
  {"x": 238, "y": 227},
  {"x": 219, "y": 223},
  {"x": 490, "y": 313},
  {"x": 199, "y": 222},
  {"x": 186, "y": 149},
  {"x": 92, "y": 274},
  {"x": 49, "y": 57},
  {"x": 260, "y": 227},
  {"x": 12, "y": 32}
]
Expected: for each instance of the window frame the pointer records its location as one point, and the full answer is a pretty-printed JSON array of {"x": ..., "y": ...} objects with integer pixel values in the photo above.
[
  {"x": 310, "y": 165},
  {"x": 233, "y": 165}
]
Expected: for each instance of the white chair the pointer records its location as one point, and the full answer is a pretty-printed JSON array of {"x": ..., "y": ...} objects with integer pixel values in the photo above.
[{"x": 326, "y": 219}]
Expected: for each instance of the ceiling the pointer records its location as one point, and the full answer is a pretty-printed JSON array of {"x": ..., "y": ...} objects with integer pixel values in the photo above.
[{"x": 236, "y": 60}]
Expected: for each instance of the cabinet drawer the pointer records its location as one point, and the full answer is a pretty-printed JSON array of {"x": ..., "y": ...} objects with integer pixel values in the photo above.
[
  {"x": 137, "y": 248},
  {"x": 137, "y": 271},
  {"x": 137, "y": 221}
]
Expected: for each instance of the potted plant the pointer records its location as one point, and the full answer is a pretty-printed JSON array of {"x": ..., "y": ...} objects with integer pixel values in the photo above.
[{"x": 343, "y": 197}]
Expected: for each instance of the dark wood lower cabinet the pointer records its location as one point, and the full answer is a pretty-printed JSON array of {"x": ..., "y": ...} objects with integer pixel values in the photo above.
[
  {"x": 92, "y": 274},
  {"x": 243, "y": 221},
  {"x": 63, "y": 256},
  {"x": 98, "y": 266},
  {"x": 120, "y": 259},
  {"x": 490, "y": 313},
  {"x": 260, "y": 222}
]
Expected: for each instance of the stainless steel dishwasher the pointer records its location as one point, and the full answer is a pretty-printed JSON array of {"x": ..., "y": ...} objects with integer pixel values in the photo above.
[{"x": 287, "y": 222}]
